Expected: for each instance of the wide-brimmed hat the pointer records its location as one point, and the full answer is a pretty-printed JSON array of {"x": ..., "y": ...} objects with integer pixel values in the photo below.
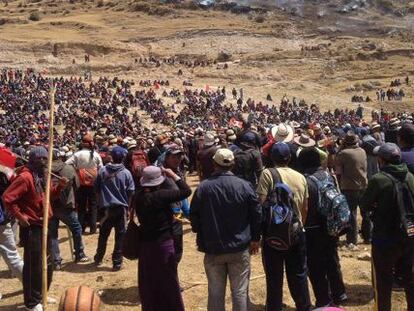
[
  {"x": 350, "y": 139},
  {"x": 132, "y": 144},
  {"x": 375, "y": 125},
  {"x": 209, "y": 139},
  {"x": 304, "y": 141},
  {"x": 394, "y": 122},
  {"x": 151, "y": 177},
  {"x": 282, "y": 133}
]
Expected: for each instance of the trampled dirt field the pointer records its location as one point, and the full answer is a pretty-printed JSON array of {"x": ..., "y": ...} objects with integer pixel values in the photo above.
[{"x": 356, "y": 54}]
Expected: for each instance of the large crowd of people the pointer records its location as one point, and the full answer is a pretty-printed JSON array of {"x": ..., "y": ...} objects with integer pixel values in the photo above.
[{"x": 287, "y": 179}]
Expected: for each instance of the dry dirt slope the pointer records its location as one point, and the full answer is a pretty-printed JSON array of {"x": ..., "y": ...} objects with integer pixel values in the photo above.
[{"x": 366, "y": 47}]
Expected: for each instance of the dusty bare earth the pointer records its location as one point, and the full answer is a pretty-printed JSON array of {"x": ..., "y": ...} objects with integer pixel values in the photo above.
[{"x": 360, "y": 52}]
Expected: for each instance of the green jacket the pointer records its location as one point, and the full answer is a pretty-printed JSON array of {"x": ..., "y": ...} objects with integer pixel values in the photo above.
[{"x": 379, "y": 198}]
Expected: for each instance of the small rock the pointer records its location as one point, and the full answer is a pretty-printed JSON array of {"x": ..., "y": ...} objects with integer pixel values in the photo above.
[
  {"x": 364, "y": 256},
  {"x": 100, "y": 292},
  {"x": 99, "y": 278}
]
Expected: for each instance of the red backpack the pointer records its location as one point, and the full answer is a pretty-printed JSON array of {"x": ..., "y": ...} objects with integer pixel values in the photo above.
[{"x": 139, "y": 161}]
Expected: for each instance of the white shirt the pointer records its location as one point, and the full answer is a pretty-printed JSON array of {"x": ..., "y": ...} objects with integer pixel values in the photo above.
[{"x": 82, "y": 159}]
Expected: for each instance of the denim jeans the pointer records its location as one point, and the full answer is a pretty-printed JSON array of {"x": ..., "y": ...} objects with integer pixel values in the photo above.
[
  {"x": 237, "y": 267},
  {"x": 296, "y": 272},
  {"x": 69, "y": 217},
  {"x": 8, "y": 251},
  {"x": 116, "y": 219},
  {"x": 353, "y": 198}
]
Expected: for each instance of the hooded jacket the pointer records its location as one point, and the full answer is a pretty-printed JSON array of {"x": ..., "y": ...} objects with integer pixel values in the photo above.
[
  {"x": 22, "y": 200},
  {"x": 115, "y": 185},
  {"x": 379, "y": 198}
]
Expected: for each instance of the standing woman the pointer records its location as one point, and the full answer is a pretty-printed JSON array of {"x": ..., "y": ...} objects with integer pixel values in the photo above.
[
  {"x": 86, "y": 163},
  {"x": 158, "y": 283}
]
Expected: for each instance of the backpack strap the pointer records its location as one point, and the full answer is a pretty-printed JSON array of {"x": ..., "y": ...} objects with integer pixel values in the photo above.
[{"x": 275, "y": 176}]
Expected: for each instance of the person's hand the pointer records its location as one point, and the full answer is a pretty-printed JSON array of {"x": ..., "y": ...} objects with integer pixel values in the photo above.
[
  {"x": 63, "y": 182},
  {"x": 24, "y": 222},
  {"x": 254, "y": 247},
  {"x": 170, "y": 173}
]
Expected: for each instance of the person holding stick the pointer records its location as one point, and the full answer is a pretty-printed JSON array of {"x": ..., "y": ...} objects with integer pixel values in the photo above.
[{"x": 24, "y": 201}]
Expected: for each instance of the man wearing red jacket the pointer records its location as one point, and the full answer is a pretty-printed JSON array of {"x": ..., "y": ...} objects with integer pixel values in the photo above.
[{"x": 24, "y": 201}]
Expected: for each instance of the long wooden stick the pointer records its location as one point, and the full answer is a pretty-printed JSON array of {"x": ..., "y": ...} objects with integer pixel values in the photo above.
[{"x": 47, "y": 198}]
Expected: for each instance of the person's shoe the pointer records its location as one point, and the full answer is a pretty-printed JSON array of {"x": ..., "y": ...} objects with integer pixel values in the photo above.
[
  {"x": 51, "y": 300},
  {"x": 396, "y": 287},
  {"x": 352, "y": 247},
  {"x": 57, "y": 267},
  {"x": 98, "y": 263},
  {"x": 38, "y": 307},
  {"x": 341, "y": 300},
  {"x": 117, "y": 267},
  {"x": 82, "y": 259}
]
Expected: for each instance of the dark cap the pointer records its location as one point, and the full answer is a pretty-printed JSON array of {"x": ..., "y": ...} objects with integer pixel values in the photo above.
[
  {"x": 406, "y": 133},
  {"x": 389, "y": 152},
  {"x": 118, "y": 154},
  {"x": 174, "y": 149},
  {"x": 280, "y": 152}
]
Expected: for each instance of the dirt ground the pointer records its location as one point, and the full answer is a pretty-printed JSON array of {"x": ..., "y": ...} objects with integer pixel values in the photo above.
[
  {"x": 119, "y": 291},
  {"x": 359, "y": 53}
]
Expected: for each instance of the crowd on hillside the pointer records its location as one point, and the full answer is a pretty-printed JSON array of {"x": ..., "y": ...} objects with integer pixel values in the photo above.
[{"x": 285, "y": 180}]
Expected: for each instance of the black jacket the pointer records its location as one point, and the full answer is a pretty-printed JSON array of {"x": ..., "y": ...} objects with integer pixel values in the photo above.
[
  {"x": 226, "y": 214},
  {"x": 154, "y": 210}
]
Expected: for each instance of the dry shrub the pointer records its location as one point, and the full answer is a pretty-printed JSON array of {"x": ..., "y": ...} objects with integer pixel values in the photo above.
[{"x": 34, "y": 16}]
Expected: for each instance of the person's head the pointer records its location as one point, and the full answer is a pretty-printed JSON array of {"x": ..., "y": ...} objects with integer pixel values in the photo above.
[
  {"x": 223, "y": 159},
  {"x": 280, "y": 154},
  {"x": 209, "y": 139},
  {"x": 350, "y": 139},
  {"x": 118, "y": 154},
  {"x": 87, "y": 141},
  {"x": 405, "y": 137},
  {"x": 38, "y": 158},
  {"x": 152, "y": 177},
  {"x": 388, "y": 153},
  {"x": 173, "y": 157},
  {"x": 309, "y": 158}
]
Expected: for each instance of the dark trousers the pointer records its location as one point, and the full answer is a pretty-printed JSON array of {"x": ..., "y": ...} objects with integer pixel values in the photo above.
[
  {"x": 178, "y": 246},
  {"x": 32, "y": 269},
  {"x": 69, "y": 217},
  {"x": 87, "y": 206},
  {"x": 116, "y": 219},
  {"x": 158, "y": 283},
  {"x": 385, "y": 257},
  {"x": 296, "y": 273},
  {"x": 353, "y": 198},
  {"x": 324, "y": 268}
]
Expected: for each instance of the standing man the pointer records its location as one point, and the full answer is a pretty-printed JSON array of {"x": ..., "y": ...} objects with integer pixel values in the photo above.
[
  {"x": 23, "y": 199},
  {"x": 86, "y": 163},
  {"x": 115, "y": 187},
  {"x": 392, "y": 245},
  {"x": 405, "y": 139},
  {"x": 351, "y": 170},
  {"x": 226, "y": 215},
  {"x": 64, "y": 210},
  {"x": 205, "y": 156},
  {"x": 294, "y": 259}
]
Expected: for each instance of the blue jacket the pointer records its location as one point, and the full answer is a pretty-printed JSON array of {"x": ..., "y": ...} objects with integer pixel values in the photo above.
[
  {"x": 225, "y": 213},
  {"x": 115, "y": 185}
]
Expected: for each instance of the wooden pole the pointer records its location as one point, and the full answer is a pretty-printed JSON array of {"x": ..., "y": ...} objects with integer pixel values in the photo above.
[{"x": 46, "y": 205}]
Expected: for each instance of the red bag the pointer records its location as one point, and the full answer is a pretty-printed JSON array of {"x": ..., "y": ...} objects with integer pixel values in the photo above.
[
  {"x": 139, "y": 162},
  {"x": 87, "y": 176}
]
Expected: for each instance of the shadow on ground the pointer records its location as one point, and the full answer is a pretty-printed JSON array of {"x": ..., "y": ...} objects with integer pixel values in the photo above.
[{"x": 121, "y": 296}]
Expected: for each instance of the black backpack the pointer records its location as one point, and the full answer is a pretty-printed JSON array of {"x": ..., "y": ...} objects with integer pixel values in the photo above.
[
  {"x": 244, "y": 166},
  {"x": 281, "y": 223},
  {"x": 404, "y": 197}
]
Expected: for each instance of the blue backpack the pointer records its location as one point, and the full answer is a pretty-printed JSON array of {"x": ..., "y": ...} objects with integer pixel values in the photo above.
[
  {"x": 281, "y": 223},
  {"x": 332, "y": 205}
]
